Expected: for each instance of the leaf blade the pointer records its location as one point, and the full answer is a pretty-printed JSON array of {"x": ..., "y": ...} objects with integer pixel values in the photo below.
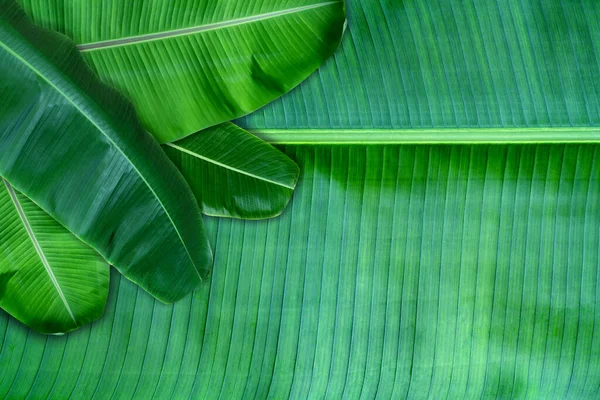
[
  {"x": 383, "y": 228},
  {"x": 234, "y": 174},
  {"x": 67, "y": 182},
  {"x": 33, "y": 288}
]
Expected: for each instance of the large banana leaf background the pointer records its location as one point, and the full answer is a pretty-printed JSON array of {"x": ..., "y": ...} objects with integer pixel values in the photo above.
[{"x": 398, "y": 270}]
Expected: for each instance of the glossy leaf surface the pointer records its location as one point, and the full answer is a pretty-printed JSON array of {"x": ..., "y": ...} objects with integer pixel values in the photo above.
[
  {"x": 74, "y": 146},
  {"x": 234, "y": 174},
  {"x": 188, "y": 65},
  {"x": 49, "y": 280}
]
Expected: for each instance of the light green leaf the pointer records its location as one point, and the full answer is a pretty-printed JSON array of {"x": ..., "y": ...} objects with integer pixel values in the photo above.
[
  {"x": 74, "y": 146},
  {"x": 49, "y": 279},
  {"x": 233, "y": 173},
  {"x": 419, "y": 64},
  {"x": 188, "y": 65}
]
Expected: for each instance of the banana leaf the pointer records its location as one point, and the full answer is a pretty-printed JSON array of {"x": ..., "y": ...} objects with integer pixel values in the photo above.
[
  {"x": 74, "y": 147},
  {"x": 394, "y": 272},
  {"x": 174, "y": 105},
  {"x": 443, "y": 64},
  {"x": 234, "y": 174},
  {"x": 49, "y": 280},
  {"x": 189, "y": 65},
  {"x": 398, "y": 270}
]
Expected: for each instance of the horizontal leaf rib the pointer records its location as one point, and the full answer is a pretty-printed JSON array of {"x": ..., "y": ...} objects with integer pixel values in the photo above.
[{"x": 575, "y": 134}]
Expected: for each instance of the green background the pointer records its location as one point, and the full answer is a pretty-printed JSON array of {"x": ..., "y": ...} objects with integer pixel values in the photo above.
[{"x": 461, "y": 271}]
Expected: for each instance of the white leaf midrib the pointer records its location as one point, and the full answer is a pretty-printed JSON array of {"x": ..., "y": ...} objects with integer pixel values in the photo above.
[
  {"x": 226, "y": 166},
  {"x": 130, "y": 40},
  {"x": 38, "y": 247}
]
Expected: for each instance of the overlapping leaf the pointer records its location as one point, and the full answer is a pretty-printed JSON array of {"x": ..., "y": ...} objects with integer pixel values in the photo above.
[
  {"x": 397, "y": 271},
  {"x": 233, "y": 173},
  {"x": 189, "y": 66},
  {"x": 49, "y": 280},
  {"x": 74, "y": 146},
  {"x": 192, "y": 64}
]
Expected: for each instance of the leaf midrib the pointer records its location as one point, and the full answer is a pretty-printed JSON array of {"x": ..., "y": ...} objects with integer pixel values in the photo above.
[
  {"x": 483, "y": 135},
  {"x": 229, "y": 167},
  {"x": 130, "y": 40},
  {"x": 38, "y": 247},
  {"x": 89, "y": 118}
]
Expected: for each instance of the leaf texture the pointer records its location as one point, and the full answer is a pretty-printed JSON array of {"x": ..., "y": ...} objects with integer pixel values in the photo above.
[
  {"x": 190, "y": 64},
  {"x": 49, "y": 279},
  {"x": 397, "y": 271},
  {"x": 74, "y": 146},
  {"x": 234, "y": 174},
  {"x": 452, "y": 63}
]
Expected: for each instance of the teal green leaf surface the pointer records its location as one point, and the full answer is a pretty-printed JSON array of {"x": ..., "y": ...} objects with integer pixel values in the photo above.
[
  {"x": 415, "y": 64},
  {"x": 234, "y": 174},
  {"x": 74, "y": 147},
  {"x": 396, "y": 272},
  {"x": 188, "y": 65},
  {"x": 49, "y": 280}
]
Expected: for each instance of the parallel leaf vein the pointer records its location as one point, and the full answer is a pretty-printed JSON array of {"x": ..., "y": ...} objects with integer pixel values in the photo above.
[
  {"x": 38, "y": 247},
  {"x": 229, "y": 167},
  {"x": 197, "y": 29}
]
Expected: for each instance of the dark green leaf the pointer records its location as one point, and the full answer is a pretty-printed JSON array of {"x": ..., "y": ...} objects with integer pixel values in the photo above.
[
  {"x": 234, "y": 174},
  {"x": 74, "y": 146}
]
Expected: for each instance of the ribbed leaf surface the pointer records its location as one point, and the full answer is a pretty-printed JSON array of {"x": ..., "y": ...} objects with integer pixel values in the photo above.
[
  {"x": 397, "y": 271},
  {"x": 394, "y": 272},
  {"x": 49, "y": 280},
  {"x": 74, "y": 146},
  {"x": 191, "y": 64},
  {"x": 453, "y": 63},
  {"x": 234, "y": 174}
]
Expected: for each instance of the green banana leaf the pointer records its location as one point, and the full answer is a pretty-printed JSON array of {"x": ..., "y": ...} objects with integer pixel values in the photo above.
[
  {"x": 394, "y": 272},
  {"x": 190, "y": 65},
  {"x": 397, "y": 271},
  {"x": 74, "y": 146},
  {"x": 175, "y": 105},
  {"x": 234, "y": 174},
  {"x": 443, "y": 64},
  {"x": 49, "y": 279}
]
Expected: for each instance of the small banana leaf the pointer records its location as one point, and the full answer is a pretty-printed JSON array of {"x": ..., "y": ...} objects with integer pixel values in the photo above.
[
  {"x": 234, "y": 174},
  {"x": 49, "y": 280}
]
